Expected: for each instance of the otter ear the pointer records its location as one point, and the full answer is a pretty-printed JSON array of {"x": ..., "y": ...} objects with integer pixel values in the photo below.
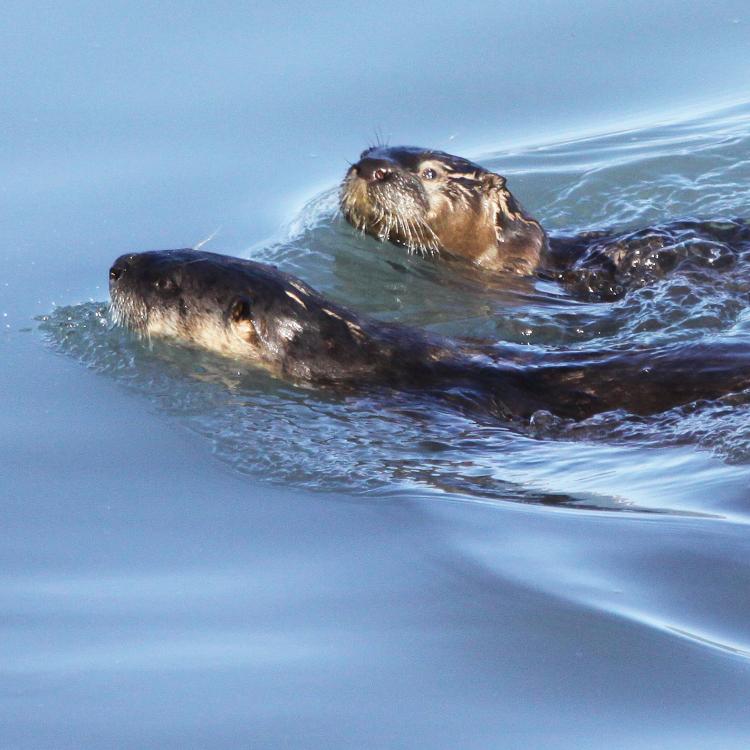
[
  {"x": 240, "y": 309},
  {"x": 240, "y": 318},
  {"x": 492, "y": 181}
]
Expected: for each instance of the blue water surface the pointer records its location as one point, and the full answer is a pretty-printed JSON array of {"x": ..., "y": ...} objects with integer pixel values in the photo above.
[{"x": 195, "y": 556}]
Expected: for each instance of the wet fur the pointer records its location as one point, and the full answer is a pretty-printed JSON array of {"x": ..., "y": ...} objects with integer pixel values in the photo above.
[
  {"x": 253, "y": 312},
  {"x": 468, "y": 211},
  {"x": 464, "y": 210}
]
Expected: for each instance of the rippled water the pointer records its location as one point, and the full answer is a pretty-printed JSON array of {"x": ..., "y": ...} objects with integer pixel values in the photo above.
[
  {"x": 197, "y": 555},
  {"x": 384, "y": 440}
]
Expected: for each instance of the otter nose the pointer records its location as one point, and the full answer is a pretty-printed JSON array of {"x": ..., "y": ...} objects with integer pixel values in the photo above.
[
  {"x": 373, "y": 170},
  {"x": 120, "y": 266}
]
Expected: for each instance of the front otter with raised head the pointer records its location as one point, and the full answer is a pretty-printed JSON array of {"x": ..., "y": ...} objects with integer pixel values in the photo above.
[{"x": 253, "y": 312}]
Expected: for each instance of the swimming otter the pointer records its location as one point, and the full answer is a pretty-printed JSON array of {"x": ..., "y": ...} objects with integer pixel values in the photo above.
[
  {"x": 436, "y": 203},
  {"x": 252, "y": 311}
]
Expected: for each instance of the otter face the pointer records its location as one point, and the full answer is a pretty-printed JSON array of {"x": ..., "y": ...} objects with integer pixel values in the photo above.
[
  {"x": 235, "y": 307},
  {"x": 431, "y": 202}
]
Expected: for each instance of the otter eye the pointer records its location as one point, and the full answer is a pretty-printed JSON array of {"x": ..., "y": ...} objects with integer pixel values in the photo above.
[
  {"x": 164, "y": 284},
  {"x": 429, "y": 173}
]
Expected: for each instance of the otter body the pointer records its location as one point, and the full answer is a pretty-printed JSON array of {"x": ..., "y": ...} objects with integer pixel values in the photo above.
[
  {"x": 253, "y": 312},
  {"x": 436, "y": 203}
]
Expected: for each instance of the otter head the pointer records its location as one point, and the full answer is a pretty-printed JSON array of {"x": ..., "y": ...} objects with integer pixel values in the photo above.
[
  {"x": 433, "y": 202},
  {"x": 237, "y": 308}
]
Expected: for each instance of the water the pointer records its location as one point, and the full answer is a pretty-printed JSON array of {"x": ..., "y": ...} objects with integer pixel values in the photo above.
[{"x": 197, "y": 555}]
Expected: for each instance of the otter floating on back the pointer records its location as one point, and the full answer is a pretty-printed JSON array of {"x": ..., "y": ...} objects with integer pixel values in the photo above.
[
  {"x": 432, "y": 202},
  {"x": 253, "y": 312}
]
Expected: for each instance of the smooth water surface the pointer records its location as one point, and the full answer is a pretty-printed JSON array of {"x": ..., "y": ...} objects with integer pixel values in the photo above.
[{"x": 197, "y": 555}]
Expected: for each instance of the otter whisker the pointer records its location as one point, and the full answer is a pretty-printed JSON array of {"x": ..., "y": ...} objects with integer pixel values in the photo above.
[
  {"x": 403, "y": 228},
  {"x": 208, "y": 239},
  {"x": 413, "y": 234}
]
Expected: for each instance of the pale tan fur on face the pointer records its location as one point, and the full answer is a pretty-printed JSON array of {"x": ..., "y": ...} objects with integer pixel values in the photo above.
[
  {"x": 229, "y": 338},
  {"x": 463, "y": 211},
  {"x": 399, "y": 221},
  {"x": 473, "y": 217}
]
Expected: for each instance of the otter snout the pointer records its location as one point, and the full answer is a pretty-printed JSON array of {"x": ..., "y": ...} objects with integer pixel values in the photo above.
[
  {"x": 120, "y": 267},
  {"x": 374, "y": 170}
]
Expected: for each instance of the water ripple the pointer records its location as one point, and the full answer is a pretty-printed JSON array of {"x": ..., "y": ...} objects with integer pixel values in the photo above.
[{"x": 371, "y": 441}]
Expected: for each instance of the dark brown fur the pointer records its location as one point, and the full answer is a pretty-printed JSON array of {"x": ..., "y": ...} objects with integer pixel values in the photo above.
[
  {"x": 253, "y": 312},
  {"x": 436, "y": 203}
]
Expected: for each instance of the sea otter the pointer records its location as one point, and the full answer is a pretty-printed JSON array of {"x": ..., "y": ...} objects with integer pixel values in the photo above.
[
  {"x": 432, "y": 202},
  {"x": 255, "y": 313}
]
